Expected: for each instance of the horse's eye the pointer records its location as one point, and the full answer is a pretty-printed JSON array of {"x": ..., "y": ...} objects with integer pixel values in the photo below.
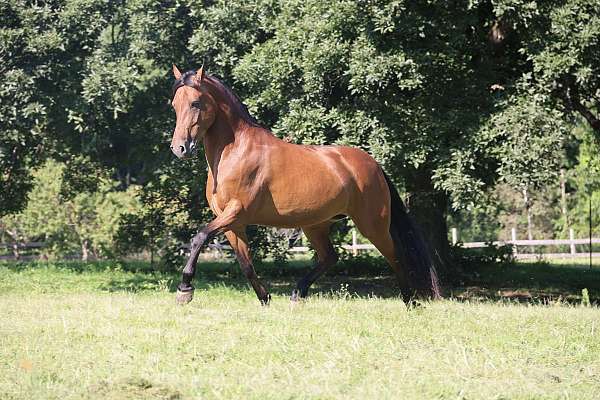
[{"x": 197, "y": 104}]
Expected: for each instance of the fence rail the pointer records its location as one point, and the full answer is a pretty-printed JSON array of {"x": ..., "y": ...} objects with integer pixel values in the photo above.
[
  {"x": 356, "y": 247},
  {"x": 571, "y": 242}
]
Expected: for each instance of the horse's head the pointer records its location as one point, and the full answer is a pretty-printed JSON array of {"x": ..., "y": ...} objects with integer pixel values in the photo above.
[{"x": 195, "y": 109}]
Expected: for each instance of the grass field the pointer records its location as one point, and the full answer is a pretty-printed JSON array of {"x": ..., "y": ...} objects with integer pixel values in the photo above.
[{"x": 113, "y": 331}]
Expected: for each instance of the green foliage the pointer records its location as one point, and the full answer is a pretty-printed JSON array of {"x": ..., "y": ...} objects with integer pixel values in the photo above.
[
  {"x": 584, "y": 179},
  {"x": 21, "y": 123},
  {"x": 478, "y": 222},
  {"x": 228, "y": 30},
  {"x": 172, "y": 210},
  {"x": 268, "y": 242},
  {"x": 85, "y": 222},
  {"x": 529, "y": 138},
  {"x": 471, "y": 259},
  {"x": 40, "y": 45},
  {"x": 561, "y": 40}
]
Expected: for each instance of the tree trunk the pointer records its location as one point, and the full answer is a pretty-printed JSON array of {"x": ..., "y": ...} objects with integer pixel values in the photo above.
[
  {"x": 563, "y": 200},
  {"x": 84, "y": 250},
  {"x": 429, "y": 207},
  {"x": 527, "y": 202}
]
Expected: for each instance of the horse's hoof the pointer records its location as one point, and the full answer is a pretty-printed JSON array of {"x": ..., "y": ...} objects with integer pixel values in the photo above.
[
  {"x": 295, "y": 296},
  {"x": 184, "y": 297},
  {"x": 265, "y": 302}
]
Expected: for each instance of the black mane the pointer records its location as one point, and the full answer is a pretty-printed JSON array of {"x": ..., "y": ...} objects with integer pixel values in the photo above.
[{"x": 242, "y": 108}]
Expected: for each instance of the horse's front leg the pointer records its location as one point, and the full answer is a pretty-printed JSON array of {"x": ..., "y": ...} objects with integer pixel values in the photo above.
[{"x": 229, "y": 216}]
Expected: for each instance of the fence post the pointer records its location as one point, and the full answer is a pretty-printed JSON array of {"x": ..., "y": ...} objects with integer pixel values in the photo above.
[
  {"x": 572, "y": 238},
  {"x": 354, "y": 242},
  {"x": 513, "y": 234},
  {"x": 454, "y": 236}
]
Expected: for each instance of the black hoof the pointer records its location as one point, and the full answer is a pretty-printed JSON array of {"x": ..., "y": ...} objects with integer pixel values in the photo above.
[
  {"x": 265, "y": 302},
  {"x": 184, "y": 297}
]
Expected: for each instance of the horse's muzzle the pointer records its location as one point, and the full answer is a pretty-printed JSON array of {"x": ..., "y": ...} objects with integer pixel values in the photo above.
[{"x": 184, "y": 149}]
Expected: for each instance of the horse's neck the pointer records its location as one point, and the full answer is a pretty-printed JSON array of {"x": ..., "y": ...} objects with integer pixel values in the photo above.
[
  {"x": 229, "y": 131},
  {"x": 220, "y": 136}
]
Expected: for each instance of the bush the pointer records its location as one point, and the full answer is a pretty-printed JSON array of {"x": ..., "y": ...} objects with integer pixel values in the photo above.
[
  {"x": 491, "y": 254},
  {"x": 68, "y": 222}
]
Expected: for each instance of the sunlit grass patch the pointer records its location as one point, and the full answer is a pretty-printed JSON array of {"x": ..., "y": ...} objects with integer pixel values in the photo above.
[{"x": 90, "y": 336}]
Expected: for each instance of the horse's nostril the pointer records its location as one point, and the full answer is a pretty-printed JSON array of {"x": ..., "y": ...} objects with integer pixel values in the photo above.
[{"x": 182, "y": 148}]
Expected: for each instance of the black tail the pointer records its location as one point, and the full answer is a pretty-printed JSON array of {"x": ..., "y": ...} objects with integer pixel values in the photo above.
[{"x": 411, "y": 248}]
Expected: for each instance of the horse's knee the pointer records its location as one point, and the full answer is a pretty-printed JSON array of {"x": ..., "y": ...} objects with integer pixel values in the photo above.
[{"x": 198, "y": 240}]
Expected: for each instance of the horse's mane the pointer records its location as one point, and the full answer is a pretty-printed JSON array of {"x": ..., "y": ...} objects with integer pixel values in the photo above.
[
  {"x": 241, "y": 108},
  {"x": 234, "y": 98}
]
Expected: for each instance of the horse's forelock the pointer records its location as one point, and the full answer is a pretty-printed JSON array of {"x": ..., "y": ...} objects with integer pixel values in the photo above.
[{"x": 186, "y": 79}]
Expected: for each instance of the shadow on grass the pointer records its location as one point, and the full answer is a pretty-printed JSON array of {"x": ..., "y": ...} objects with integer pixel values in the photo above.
[
  {"x": 362, "y": 280},
  {"x": 533, "y": 282},
  {"x": 536, "y": 283}
]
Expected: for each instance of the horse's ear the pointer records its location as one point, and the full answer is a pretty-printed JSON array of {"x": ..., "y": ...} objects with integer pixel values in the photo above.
[
  {"x": 176, "y": 72},
  {"x": 200, "y": 75}
]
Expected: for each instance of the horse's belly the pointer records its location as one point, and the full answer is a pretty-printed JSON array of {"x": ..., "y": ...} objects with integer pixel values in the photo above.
[{"x": 302, "y": 203}]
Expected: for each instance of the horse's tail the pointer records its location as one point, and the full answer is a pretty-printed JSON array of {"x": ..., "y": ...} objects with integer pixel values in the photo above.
[{"x": 411, "y": 248}]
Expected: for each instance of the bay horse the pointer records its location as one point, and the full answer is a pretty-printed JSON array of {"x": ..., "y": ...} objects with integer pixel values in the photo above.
[{"x": 256, "y": 178}]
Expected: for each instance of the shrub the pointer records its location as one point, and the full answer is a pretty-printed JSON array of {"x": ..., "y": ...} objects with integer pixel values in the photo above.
[{"x": 68, "y": 222}]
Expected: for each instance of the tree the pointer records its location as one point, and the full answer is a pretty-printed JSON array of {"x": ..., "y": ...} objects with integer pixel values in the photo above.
[
  {"x": 450, "y": 98},
  {"x": 42, "y": 47},
  {"x": 561, "y": 40},
  {"x": 408, "y": 82},
  {"x": 584, "y": 183}
]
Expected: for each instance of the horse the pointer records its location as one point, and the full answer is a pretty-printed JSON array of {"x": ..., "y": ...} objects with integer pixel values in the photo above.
[{"x": 255, "y": 178}]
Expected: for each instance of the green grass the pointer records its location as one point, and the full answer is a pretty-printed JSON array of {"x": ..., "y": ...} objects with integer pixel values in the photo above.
[{"x": 113, "y": 331}]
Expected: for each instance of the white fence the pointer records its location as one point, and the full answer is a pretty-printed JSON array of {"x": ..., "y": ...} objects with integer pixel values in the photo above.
[
  {"x": 355, "y": 247},
  {"x": 572, "y": 242}
]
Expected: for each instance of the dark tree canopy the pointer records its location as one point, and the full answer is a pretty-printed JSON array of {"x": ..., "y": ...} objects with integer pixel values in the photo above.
[{"x": 450, "y": 97}]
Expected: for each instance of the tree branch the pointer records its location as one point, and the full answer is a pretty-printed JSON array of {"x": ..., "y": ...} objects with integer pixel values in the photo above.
[
  {"x": 573, "y": 101},
  {"x": 589, "y": 116}
]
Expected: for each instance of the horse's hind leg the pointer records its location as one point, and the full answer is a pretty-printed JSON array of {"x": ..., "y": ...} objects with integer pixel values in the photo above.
[
  {"x": 318, "y": 235},
  {"x": 239, "y": 243},
  {"x": 376, "y": 229}
]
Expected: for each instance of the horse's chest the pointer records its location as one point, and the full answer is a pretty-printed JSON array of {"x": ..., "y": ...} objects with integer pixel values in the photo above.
[{"x": 223, "y": 188}]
